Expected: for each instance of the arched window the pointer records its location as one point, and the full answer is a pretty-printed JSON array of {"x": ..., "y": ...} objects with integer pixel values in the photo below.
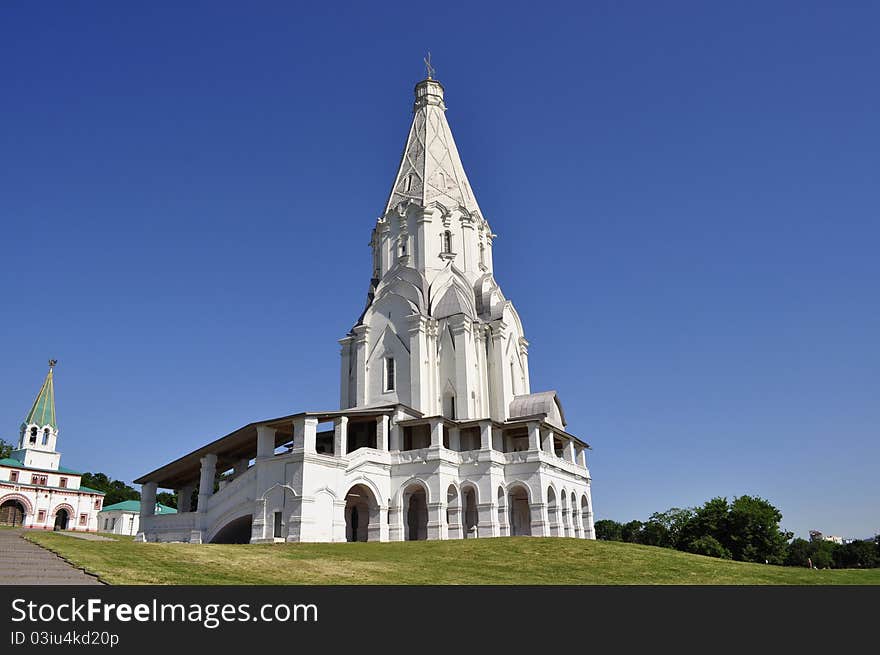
[
  {"x": 482, "y": 255},
  {"x": 33, "y": 435},
  {"x": 402, "y": 246},
  {"x": 45, "y": 436},
  {"x": 407, "y": 183},
  {"x": 447, "y": 241},
  {"x": 512, "y": 379}
]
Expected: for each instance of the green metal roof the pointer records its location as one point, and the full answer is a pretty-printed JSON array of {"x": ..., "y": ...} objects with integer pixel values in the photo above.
[
  {"x": 17, "y": 463},
  {"x": 135, "y": 506},
  {"x": 43, "y": 410}
]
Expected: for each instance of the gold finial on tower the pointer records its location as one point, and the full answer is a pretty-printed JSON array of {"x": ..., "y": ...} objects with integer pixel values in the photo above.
[
  {"x": 53, "y": 363},
  {"x": 429, "y": 69}
]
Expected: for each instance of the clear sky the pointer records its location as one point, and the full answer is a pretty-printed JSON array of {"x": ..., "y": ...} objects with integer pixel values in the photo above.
[{"x": 685, "y": 195}]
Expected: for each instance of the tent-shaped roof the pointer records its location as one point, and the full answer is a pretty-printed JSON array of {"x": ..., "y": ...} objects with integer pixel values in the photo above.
[{"x": 43, "y": 410}]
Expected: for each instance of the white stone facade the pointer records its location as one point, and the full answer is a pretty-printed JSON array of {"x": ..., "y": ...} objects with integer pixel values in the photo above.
[
  {"x": 35, "y": 490},
  {"x": 438, "y": 435}
]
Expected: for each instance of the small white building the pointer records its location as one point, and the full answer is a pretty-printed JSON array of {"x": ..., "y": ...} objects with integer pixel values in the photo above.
[
  {"x": 35, "y": 490},
  {"x": 124, "y": 517},
  {"x": 439, "y": 434}
]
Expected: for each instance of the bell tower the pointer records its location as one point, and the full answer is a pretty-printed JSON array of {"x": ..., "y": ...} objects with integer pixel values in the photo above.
[{"x": 39, "y": 430}]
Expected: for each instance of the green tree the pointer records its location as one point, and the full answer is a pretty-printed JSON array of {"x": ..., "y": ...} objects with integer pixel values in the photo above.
[
  {"x": 631, "y": 532},
  {"x": 115, "y": 491},
  {"x": 822, "y": 553},
  {"x": 608, "y": 530},
  {"x": 665, "y": 528},
  {"x": 753, "y": 533},
  {"x": 856, "y": 555},
  {"x": 798, "y": 553},
  {"x": 167, "y": 499},
  {"x": 708, "y": 545},
  {"x": 6, "y": 449}
]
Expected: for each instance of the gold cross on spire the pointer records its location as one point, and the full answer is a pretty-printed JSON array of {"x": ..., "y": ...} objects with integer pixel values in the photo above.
[{"x": 429, "y": 69}]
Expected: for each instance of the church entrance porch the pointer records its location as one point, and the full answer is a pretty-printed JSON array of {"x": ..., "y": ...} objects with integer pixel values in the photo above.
[
  {"x": 361, "y": 514},
  {"x": 12, "y": 513},
  {"x": 62, "y": 519},
  {"x": 415, "y": 505},
  {"x": 520, "y": 512}
]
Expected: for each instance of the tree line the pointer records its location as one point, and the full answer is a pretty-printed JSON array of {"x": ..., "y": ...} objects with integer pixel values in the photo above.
[{"x": 745, "y": 529}]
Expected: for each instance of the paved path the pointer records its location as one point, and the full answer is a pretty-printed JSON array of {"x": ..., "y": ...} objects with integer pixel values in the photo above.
[
  {"x": 88, "y": 536},
  {"x": 24, "y": 563}
]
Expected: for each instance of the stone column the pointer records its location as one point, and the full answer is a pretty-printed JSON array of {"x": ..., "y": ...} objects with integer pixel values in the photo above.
[
  {"x": 241, "y": 466},
  {"x": 453, "y": 520},
  {"x": 305, "y": 429},
  {"x": 344, "y": 372},
  {"x": 568, "y": 451},
  {"x": 582, "y": 457},
  {"x": 503, "y": 521},
  {"x": 395, "y": 437},
  {"x": 534, "y": 436},
  {"x": 487, "y": 520},
  {"x": 418, "y": 369},
  {"x": 455, "y": 439},
  {"x": 461, "y": 327},
  {"x": 184, "y": 498},
  {"x": 360, "y": 365},
  {"x": 265, "y": 442},
  {"x": 206, "y": 481},
  {"x": 396, "y": 530},
  {"x": 499, "y": 386},
  {"x": 540, "y": 527},
  {"x": 485, "y": 435},
  {"x": 382, "y": 432},
  {"x": 436, "y": 432},
  {"x": 437, "y": 521},
  {"x": 377, "y": 530},
  {"x": 547, "y": 441},
  {"x": 340, "y": 436},
  {"x": 524, "y": 358},
  {"x": 148, "y": 508}
]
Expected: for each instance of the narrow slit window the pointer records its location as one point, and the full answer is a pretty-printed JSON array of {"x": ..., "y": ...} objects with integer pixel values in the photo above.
[
  {"x": 277, "y": 532},
  {"x": 447, "y": 241},
  {"x": 389, "y": 374}
]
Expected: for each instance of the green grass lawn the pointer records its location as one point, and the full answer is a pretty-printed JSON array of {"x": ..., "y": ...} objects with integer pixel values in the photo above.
[{"x": 514, "y": 560}]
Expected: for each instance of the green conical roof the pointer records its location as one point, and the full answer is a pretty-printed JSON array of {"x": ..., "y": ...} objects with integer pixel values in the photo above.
[{"x": 43, "y": 410}]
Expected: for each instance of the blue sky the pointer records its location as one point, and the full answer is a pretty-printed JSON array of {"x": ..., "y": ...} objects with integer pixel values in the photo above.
[{"x": 686, "y": 197}]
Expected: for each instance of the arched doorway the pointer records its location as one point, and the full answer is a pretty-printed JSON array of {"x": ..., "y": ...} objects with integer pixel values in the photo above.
[
  {"x": 361, "y": 510},
  {"x": 552, "y": 512},
  {"x": 415, "y": 504},
  {"x": 12, "y": 513},
  {"x": 470, "y": 513},
  {"x": 520, "y": 512},
  {"x": 237, "y": 531},
  {"x": 62, "y": 519}
]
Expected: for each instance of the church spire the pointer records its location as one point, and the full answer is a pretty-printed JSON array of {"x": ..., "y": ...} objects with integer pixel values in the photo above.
[
  {"x": 43, "y": 410},
  {"x": 430, "y": 169}
]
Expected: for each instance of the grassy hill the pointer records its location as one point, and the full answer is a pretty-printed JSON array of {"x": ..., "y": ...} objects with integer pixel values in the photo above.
[{"x": 514, "y": 560}]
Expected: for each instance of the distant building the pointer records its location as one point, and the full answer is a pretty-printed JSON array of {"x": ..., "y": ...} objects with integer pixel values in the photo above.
[
  {"x": 35, "y": 490},
  {"x": 815, "y": 535},
  {"x": 124, "y": 517}
]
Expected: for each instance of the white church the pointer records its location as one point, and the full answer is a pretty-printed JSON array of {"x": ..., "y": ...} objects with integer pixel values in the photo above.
[
  {"x": 438, "y": 434},
  {"x": 35, "y": 490}
]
